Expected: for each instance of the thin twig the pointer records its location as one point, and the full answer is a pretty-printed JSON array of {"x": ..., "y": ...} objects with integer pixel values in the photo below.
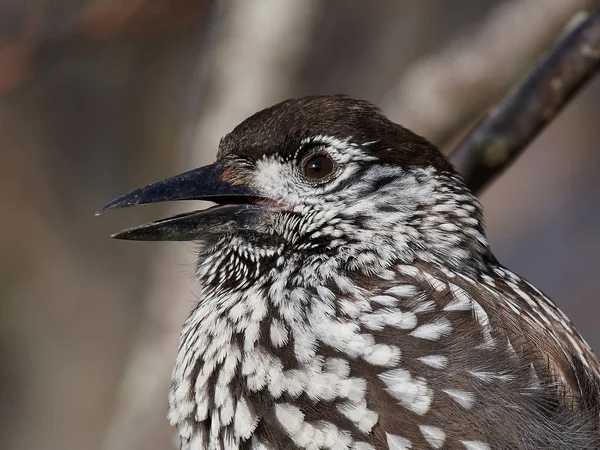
[{"x": 505, "y": 131}]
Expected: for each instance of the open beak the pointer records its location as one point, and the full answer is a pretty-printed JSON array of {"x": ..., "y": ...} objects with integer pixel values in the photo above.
[{"x": 238, "y": 207}]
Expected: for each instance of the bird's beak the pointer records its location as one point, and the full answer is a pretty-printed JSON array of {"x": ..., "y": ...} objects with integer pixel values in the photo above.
[{"x": 238, "y": 207}]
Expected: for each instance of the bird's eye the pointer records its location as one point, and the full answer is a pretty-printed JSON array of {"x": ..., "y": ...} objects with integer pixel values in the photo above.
[{"x": 318, "y": 166}]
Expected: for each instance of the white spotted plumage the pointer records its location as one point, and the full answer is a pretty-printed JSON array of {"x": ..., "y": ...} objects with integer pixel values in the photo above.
[
  {"x": 368, "y": 314},
  {"x": 412, "y": 392},
  {"x": 434, "y": 436},
  {"x": 463, "y": 398}
]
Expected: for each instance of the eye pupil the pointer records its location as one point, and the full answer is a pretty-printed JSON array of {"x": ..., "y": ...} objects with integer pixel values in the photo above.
[{"x": 318, "y": 166}]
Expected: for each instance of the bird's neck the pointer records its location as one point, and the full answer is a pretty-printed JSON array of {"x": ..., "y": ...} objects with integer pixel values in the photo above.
[
  {"x": 265, "y": 306},
  {"x": 450, "y": 230},
  {"x": 412, "y": 216},
  {"x": 242, "y": 349}
]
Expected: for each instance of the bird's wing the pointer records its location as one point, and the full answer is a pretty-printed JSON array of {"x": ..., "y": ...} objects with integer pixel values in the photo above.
[{"x": 478, "y": 367}]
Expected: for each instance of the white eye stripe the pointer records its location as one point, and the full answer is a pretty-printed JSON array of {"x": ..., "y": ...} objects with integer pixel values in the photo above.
[{"x": 345, "y": 149}]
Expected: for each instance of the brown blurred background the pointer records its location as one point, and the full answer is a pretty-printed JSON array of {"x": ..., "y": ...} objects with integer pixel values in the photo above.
[{"x": 100, "y": 96}]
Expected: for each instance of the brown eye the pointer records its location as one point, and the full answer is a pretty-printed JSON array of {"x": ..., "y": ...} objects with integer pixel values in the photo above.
[{"x": 318, "y": 166}]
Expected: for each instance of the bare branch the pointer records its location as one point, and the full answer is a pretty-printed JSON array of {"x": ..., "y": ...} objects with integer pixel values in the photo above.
[
  {"x": 445, "y": 92},
  {"x": 499, "y": 138}
]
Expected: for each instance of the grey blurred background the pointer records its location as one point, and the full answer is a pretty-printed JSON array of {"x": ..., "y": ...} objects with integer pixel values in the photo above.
[{"x": 100, "y": 96}]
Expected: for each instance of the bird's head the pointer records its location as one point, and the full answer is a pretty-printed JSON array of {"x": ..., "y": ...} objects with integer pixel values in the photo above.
[{"x": 319, "y": 177}]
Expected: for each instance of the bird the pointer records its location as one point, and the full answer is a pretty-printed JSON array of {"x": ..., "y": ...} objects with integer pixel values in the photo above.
[{"x": 351, "y": 300}]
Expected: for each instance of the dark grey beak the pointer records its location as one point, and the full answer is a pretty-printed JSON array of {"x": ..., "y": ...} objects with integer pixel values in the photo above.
[{"x": 238, "y": 207}]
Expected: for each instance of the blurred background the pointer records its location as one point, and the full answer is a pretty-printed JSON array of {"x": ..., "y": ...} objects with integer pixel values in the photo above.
[{"x": 101, "y": 96}]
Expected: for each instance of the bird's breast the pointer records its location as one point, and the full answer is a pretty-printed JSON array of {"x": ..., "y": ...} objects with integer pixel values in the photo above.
[{"x": 419, "y": 361}]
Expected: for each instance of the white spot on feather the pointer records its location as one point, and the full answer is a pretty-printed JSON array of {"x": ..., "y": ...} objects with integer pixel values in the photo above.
[
  {"x": 392, "y": 317},
  {"x": 533, "y": 377},
  {"x": 413, "y": 393},
  {"x": 403, "y": 290},
  {"x": 279, "y": 333},
  {"x": 434, "y": 330},
  {"x": 290, "y": 417},
  {"x": 435, "y": 361},
  {"x": 338, "y": 366},
  {"x": 433, "y": 435},
  {"x": 411, "y": 271},
  {"x": 437, "y": 284},
  {"x": 396, "y": 442},
  {"x": 305, "y": 436},
  {"x": 385, "y": 300},
  {"x": 363, "y": 417},
  {"x": 383, "y": 355},
  {"x": 244, "y": 422},
  {"x": 475, "y": 445},
  {"x": 461, "y": 301},
  {"x": 448, "y": 227},
  {"x": 362, "y": 446},
  {"x": 463, "y": 398},
  {"x": 353, "y": 389}
]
